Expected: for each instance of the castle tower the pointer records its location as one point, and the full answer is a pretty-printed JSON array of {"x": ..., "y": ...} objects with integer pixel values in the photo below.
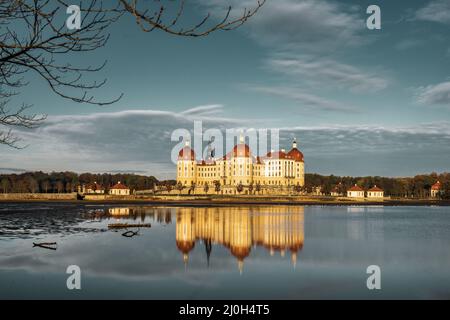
[
  {"x": 298, "y": 169},
  {"x": 186, "y": 166},
  {"x": 185, "y": 233}
]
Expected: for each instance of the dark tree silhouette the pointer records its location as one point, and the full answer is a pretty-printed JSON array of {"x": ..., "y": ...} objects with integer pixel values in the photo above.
[
  {"x": 192, "y": 187},
  {"x": 34, "y": 39},
  {"x": 217, "y": 186},
  {"x": 179, "y": 187}
]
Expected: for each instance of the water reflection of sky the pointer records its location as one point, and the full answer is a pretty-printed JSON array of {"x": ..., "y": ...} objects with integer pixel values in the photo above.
[{"x": 239, "y": 252}]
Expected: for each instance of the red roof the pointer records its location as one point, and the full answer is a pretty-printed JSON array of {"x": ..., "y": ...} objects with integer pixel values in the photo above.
[
  {"x": 336, "y": 187},
  {"x": 295, "y": 154},
  {"x": 239, "y": 151},
  {"x": 436, "y": 186},
  {"x": 95, "y": 186},
  {"x": 356, "y": 188},
  {"x": 119, "y": 186},
  {"x": 277, "y": 155},
  {"x": 375, "y": 188},
  {"x": 242, "y": 150},
  {"x": 186, "y": 154}
]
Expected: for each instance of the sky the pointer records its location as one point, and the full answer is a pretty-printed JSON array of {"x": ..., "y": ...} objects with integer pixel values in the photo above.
[{"x": 359, "y": 101}]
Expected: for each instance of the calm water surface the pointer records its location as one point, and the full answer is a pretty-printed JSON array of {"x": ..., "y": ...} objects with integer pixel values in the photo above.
[{"x": 273, "y": 252}]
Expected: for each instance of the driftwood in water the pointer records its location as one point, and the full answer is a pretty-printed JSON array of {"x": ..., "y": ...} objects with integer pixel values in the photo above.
[
  {"x": 130, "y": 233},
  {"x": 126, "y": 225},
  {"x": 45, "y": 245}
]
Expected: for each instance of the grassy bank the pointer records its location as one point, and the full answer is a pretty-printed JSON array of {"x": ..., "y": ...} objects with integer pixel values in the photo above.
[{"x": 227, "y": 201}]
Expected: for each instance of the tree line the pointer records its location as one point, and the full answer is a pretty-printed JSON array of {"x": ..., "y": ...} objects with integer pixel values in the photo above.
[
  {"x": 65, "y": 182},
  {"x": 418, "y": 186}
]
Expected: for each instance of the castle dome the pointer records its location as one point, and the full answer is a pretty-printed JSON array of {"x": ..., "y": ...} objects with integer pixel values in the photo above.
[
  {"x": 186, "y": 153},
  {"x": 277, "y": 154},
  {"x": 185, "y": 246},
  {"x": 241, "y": 150},
  {"x": 240, "y": 252},
  {"x": 295, "y": 154}
]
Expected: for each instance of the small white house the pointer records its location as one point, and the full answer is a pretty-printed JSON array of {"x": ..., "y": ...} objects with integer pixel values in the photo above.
[
  {"x": 355, "y": 192},
  {"x": 94, "y": 188},
  {"x": 375, "y": 192},
  {"x": 119, "y": 189},
  {"x": 337, "y": 190}
]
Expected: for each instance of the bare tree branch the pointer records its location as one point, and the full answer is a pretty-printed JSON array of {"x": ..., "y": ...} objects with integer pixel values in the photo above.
[
  {"x": 149, "y": 21},
  {"x": 34, "y": 38}
]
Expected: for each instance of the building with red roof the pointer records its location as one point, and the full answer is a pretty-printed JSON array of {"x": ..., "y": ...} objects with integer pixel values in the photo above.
[
  {"x": 93, "y": 188},
  {"x": 119, "y": 189},
  {"x": 338, "y": 190},
  {"x": 375, "y": 192},
  {"x": 355, "y": 192},
  {"x": 436, "y": 190}
]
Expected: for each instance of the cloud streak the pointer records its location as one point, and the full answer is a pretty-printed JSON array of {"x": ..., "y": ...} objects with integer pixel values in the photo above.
[
  {"x": 438, "y": 94},
  {"x": 435, "y": 11},
  {"x": 313, "y": 25},
  {"x": 327, "y": 71},
  {"x": 305, "y": 100}
]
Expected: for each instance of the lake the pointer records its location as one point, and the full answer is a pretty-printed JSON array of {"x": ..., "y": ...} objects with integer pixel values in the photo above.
[{"x": 257, "y": 252}]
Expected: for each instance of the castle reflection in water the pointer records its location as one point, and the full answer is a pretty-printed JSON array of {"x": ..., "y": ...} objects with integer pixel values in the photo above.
[{"x": 278, "y": 229}]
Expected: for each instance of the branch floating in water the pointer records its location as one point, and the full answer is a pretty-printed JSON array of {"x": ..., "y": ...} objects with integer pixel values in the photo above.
[
  {"x": 45, "y": 245},
  {"x": 130, "y": 234},
  {"x": 126, "y": 225}
]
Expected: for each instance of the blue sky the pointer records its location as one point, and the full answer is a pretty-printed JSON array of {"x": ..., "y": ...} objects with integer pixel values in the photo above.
[{"x": 360, "y": 101}]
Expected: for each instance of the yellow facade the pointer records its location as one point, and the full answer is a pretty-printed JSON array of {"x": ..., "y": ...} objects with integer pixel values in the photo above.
[{"x": 279, "y": 170}]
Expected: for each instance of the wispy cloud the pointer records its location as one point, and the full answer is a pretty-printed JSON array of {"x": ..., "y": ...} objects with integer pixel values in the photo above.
[
  {"x": 438, "y": 94},
  {"x": 316, "y": 29},
  {"x": 12, "y": 170},
  {"x": 215, "y": 109},
  {"x": 408, "y": 44},
  {"x": 327, "y": 71},
  {"x": 435, "y": 11},
  {"x": 313, "y": 25},
  {"x": 305, "y": 100}
]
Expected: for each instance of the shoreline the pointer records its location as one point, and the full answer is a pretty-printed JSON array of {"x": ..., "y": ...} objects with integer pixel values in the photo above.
[{"x": 233, "y": 202}]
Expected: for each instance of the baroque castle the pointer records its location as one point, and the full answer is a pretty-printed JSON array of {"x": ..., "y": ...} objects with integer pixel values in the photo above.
[{"x": 239, "y": 171}]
